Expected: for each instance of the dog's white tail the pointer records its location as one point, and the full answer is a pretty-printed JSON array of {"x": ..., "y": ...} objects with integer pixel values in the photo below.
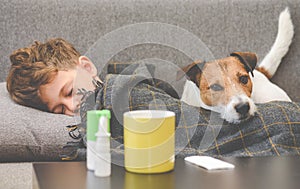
[{"x": 281, "y": 45}]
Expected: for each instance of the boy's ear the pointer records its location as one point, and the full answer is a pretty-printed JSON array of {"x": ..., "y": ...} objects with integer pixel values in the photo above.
[{"x": 88, "y": 65}]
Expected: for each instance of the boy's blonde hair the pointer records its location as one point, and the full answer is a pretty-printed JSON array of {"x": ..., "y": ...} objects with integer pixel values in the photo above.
[{"x": 37, "y": 65}]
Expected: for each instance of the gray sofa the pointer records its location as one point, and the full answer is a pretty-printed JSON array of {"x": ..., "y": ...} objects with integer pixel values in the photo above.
[{"x": 222, "y": 26}]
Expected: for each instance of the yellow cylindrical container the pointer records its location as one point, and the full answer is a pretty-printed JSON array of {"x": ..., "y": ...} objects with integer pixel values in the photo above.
[
  {"x": 149, "y": 181},
  {"x": 149, "y": 141}
]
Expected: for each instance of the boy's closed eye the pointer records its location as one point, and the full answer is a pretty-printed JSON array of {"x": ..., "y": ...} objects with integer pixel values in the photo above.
[{"x": 69, "y": 94}]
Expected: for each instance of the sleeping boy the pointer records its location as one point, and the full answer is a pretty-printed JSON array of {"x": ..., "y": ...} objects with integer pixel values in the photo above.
[{"x": 47, "y": 76}]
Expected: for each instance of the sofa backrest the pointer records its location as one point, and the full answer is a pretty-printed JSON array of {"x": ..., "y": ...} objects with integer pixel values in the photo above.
[{"x": 222, "y": 26}]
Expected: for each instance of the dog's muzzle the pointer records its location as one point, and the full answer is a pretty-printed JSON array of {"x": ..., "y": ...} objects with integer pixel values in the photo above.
[
  {"x": 243, "y": 109},
  {"x": 239, "y": 109}
]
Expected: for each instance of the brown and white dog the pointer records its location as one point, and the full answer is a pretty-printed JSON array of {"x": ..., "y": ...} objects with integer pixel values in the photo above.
[{"x": 231, "y": 86}]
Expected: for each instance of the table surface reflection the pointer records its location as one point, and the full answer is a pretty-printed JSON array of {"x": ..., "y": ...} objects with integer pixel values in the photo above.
[{"x": 258, "y": 172}]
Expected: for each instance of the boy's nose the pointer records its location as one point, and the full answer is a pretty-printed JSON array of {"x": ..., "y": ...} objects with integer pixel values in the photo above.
[{"x": 71, "y": 106}]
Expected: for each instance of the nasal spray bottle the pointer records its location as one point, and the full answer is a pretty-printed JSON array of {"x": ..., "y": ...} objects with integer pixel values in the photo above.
[{"x": 98, "y": 142}]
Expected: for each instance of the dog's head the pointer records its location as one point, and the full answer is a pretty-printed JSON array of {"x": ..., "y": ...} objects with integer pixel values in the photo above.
[{"x": 225, "y": 84}]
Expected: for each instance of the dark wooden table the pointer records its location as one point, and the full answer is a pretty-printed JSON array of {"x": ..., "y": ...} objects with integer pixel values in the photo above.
[{"x": 252, "y": 173}]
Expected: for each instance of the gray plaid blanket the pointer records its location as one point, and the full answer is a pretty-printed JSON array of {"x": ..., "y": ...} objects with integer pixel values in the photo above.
[{"x": 273, "y": 131}]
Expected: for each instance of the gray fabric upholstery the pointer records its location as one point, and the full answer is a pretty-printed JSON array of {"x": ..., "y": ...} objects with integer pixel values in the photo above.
[
  {"x": 27, "y": 134},
  {"x": 16, "y": 175},
  {"x": 224, "y": 26}
]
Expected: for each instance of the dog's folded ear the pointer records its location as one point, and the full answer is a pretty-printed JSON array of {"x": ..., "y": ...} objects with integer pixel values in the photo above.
[
  {"x": 248, "y": 59},
  {"x": 191, "y": 71}
]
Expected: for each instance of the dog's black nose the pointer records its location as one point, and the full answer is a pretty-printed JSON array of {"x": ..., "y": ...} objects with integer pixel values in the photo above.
[{"x": 242, "y": 108}]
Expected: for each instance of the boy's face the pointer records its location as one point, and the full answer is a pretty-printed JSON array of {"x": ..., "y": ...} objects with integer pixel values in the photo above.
[{"x": 60, "y": 95}]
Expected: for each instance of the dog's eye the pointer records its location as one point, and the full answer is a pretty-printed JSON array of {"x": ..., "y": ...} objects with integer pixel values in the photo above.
[
  {"x": 243, "y": 80},
  {"x": 216, "y": 87}
]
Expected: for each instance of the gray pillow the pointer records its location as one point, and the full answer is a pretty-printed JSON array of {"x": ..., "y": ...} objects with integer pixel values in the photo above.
[{"x": 27, "y": 134}]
